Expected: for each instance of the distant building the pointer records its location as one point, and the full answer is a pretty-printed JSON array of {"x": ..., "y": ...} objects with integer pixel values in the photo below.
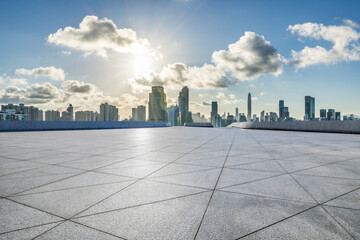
[
  {"x": 249, "y": 108},
  {"x": 52, "y": 115},
  {"x": 242, "y": 117},
  {"x": 21, "y": 112},
  {"x": 134, "y": 114},
  {"x": 68, "y": 115},
  {"x": 323, "y": 114},
  {"x": 330, "y": 114},
  {"x": 309, "y": 108},
  {"x": 281, "y": 109},
  {"x": 337, "y": 116},
  {"x": 108, "y": 113},
  {"x": 197, "y": 117},
  {"x": 141, "y": 113},
  {"x": 157, "y": 105},
  {"x": 184, "y": 105},
  {"x": 273, "y": 116},
  {"x": 173, "y": 115},
  {"x": 214, "y": 112},
  {"x": 236, "y": 114},
  {"x": 88, "y": 116},
  {"x": 286, "y": 112},
  {"x": 262, "y": 116}
]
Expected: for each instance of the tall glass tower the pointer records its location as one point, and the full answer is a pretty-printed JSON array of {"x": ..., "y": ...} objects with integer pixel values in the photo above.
[
  {"x": 309, "y": 108},
  {"x": 249, "y": 108}
]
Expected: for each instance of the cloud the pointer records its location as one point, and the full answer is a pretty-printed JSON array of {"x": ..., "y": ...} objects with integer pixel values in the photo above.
[
  {"x": 220, "y": 95},
  {"x": 63, "y": 52},
  {"x": 176, "y": 75},
  {"x": 206, "y": 103},
  {"x": 262, "y": 93},
  {"x": 343, "y": 37},
  {"x": 18, "y": 81},
  {"x": 245, "y": 60},
  {"x": 2, "y": 80},
  {"x": 249, "y": 57},
  {"x": 98, "y": 36},
  {"x": 74, "y": 86},
  {"x": 83, "y": 96},
  {"x": 56, "y": 74}
]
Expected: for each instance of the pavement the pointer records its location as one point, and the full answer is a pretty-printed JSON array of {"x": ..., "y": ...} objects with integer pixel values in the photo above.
[{"x": 179, "y": 183}]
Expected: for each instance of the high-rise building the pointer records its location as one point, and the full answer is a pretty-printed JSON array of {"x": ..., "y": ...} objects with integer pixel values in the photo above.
[
  {"x": 337, "y": 116},
  {"x": 242, "y": 117},
  {"x": 249, "y": 108},
  {"x": 108, "y": 113},
  {"x": 323, "y": 114},
  {"x": 22, "y": 112},
  {"x": 309, "y": 108},
  {"x": 330, "y": 114},
  {"x": 184, "y": 105},
  {"x": 52, "y": 115},
  {"x": 157, "y": 105},
  {"x": 173, "y": 115},
  {"x": 281, "y": 109},
  {"x": 262, "y": 116},
  {"x": 236, "y": 114},
  {"x": 214, "y": 112},
  {"x": 134, "y": 114},
  {"x": 88, "y": 116},
  {"x": 141, "y": 113},
  {"x": 286, "y": 112}
]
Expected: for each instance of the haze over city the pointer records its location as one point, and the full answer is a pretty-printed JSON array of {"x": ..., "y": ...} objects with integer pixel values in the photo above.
[{"x": 57, "y": 53}]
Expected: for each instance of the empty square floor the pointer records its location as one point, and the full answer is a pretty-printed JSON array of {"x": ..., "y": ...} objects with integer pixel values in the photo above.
[{"x": 179, "y": 183}]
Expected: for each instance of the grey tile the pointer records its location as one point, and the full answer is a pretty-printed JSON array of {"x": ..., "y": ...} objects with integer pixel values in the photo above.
[
  {"x": 270, "y": 166},
  {"x": 68, "y": 202},
  {"x": 71, "y": 230},
  {"x": 15, "y": 216},
  {"x": 232, "y": 161},
  {"x": 334, "y": 170},
  {"x": 230, "y": 176},
  {"x": 312, "y": 224},
  {"x": 348, "y": 218},
  {"x": 292, "y": 166},
  {"x": 326, "y": 188},
  {"x": 204, "y": 179},
  {"x": 283, "y": 187},
  {"x": 28, "y": 233},
  {"x": 173, "y": 219},
  {"x": 135, "y": 172},
  {"x": 232, "y": 215},
  {"x": 17, "y": 185},
  {"x": 350, "y": 200},
  {"x": 82, "y": 180},
  {"x": 177, "y": 168},
  {"x": 208, "y": 162},
  {"x": 142, "y": 192}
]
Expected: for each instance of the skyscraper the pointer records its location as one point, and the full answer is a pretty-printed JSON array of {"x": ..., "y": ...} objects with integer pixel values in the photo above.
[
  {"x": 141, "y": 113},
  {"x": 157, "y": 105},
  {"x": 337, "y": 116},
  {"x": 108, "y": 113},
  {"x": 249, "y": 108},
  {"x": 184, "y": 105},
  {"x": 309, "y": 108},
  {"x": 214, "y": 112},
  {"x": 236, "y": 114},
  {"x": 134, "y": 114},
  {"x": 323, "y": 114},
  {"x": 262, "y": 117},
  {"x": 331, "y": 114},
  {"x": 281, "y": 109}
]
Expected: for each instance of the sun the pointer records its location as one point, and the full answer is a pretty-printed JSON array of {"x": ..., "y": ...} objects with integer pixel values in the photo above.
[{"x": 141, "y": 65}]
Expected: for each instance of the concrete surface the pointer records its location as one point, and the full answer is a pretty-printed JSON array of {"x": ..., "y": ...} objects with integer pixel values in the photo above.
[
  {"x": 74, "y": 125},
  {"x": 352, "y": 126},
  {"x": 179, "y": 183}
]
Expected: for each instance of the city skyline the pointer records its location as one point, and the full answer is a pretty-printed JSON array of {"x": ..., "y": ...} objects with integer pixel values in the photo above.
[{"x": 62, "y": 67}]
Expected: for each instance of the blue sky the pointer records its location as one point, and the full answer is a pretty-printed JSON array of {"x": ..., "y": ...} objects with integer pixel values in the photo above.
[{"x": 186, "y": 32}]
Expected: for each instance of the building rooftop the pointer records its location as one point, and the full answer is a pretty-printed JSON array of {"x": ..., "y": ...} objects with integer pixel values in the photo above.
[{"x": 179, "y": 183}]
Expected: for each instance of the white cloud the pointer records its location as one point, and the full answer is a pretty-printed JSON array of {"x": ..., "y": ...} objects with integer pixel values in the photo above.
[
  {"x": 2, "y": 80},
  {"x": 262, "y": 93},
  {"x": 63, "y": 52},
  {"x": 18, "y": 81},
  {"x": 220, "y": 95},
  {"x": 343, "y": 37},
  {"x": 249, "y": 57},
  {"x": 254, "y": 98},
  {"x": 98, "y": 36},
  {"x": 83, "y": 96},
  {"x": 232, "y": 96},
  {"x": 245, "y": 60},
  {"x": 56, "y": 74},
  {"x": 203, "y": 95}
]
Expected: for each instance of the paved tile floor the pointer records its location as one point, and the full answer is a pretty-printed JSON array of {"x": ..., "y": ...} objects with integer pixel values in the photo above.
[{"x": 179, "y": 183}]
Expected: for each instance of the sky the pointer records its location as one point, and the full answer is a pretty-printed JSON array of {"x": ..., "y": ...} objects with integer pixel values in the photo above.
[{"x": 53, "y": 53}]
